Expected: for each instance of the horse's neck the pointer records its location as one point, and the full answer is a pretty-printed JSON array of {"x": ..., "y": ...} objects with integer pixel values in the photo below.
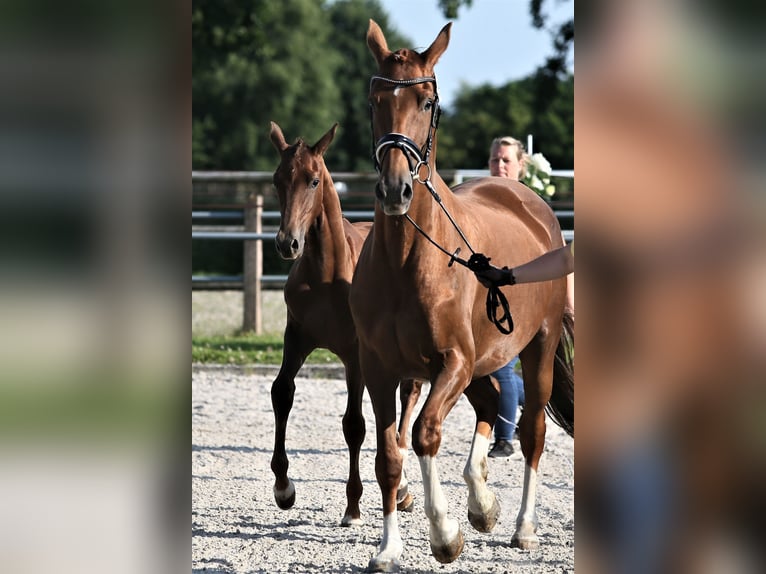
[
  {"x": 399, "y": 238},
  {"x": 327, "y": 239}
]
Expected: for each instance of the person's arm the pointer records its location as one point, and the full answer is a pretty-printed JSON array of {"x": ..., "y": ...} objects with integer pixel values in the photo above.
[{"x": 550, "y": 265}]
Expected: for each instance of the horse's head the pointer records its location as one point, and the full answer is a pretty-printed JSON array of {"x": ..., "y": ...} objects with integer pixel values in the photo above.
[
  {"x": 299, "y": 181},
  {"x": 404, "y": 111}
]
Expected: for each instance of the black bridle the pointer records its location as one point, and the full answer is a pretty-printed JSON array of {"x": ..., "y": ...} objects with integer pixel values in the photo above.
[
  {"x": 409, "y": 148},
  {"x": 418, "y": 157}
]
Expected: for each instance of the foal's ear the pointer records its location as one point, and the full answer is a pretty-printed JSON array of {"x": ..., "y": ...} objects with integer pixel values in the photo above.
[
  {"x": 436, "y": 49},
  {"x": 376, "y": 42},
  {"x": 321, "y": 146},
  {"x": 277, "y": 137}
]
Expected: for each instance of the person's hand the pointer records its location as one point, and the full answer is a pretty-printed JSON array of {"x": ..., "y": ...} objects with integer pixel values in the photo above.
[{"x": 494, "y": 276}]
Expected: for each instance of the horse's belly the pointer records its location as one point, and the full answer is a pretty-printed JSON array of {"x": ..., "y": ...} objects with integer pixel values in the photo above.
[{"x": 326, "y": 319}]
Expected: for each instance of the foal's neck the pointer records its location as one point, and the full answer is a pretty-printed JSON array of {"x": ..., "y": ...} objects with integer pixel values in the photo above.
[{"x": 331, "y": 249}]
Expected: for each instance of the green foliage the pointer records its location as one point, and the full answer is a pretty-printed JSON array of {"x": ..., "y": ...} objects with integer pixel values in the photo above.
[
  {"x": 305, "y": 64},
  {"x": 450, "y": 8},
  {"x": 485, "y": 112},
  {"x": 352, "y": 148},
  {"x": 301, "y": 63},
  {"x": 248, "y": 349},
  {"x": 254, "y": 61}
]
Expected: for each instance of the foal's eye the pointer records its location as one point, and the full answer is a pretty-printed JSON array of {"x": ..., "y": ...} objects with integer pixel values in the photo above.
[
  {"x": 315, "y": 182},
  {"x": 428, "y": 105}
]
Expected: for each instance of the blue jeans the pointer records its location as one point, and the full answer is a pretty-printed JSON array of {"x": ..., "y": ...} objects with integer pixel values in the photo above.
[{"x": 511, "y": 396}]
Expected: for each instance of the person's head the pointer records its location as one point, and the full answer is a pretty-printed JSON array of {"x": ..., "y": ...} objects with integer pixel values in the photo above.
[{"x": 507, "y": 158}]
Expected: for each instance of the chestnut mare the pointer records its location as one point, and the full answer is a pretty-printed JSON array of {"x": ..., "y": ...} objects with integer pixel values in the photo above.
[
  {"x": 418, "y": 317},
  {"x": 325, "y": 246}
]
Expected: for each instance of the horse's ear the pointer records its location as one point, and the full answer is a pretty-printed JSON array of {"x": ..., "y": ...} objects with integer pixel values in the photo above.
[
  {"x": 277, "y": 137},
  {"x": 321, "y": 146},
  {"x": 436, "y": 49},
  {"x": 376, "y": 42}
]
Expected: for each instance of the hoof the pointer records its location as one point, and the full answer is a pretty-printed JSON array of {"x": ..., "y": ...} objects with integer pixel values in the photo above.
[
  {"x": 485, "y": 522},
  {"x": 285, "y": 498},
  {"x": 525, "y": 542},
  {"x": 382, "y": 566},
  {"x": 407, "y": 504},
  {"x": 351, "y": 521},
  {"x": 449, "y": 552},
  {"x": 287, "y": 503}
]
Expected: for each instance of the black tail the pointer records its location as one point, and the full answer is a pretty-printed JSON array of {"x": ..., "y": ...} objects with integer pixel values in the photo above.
[{"x": 561, "y": 406}]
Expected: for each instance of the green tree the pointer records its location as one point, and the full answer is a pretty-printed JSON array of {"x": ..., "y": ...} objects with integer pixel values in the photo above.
[
  {"x": 254, "y": 61},
  {"x": 352, "y": 149},
  {"x": 482, "y": 113}
]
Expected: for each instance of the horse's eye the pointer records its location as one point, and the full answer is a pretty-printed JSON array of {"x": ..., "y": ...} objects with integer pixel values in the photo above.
[
  {"x": 428, "y": 105},
  {"x": 315, "y": 182}
]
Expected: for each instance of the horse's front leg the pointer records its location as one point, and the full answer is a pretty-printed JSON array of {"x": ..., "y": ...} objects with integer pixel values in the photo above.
[
  {"x": 445, "y": 535},
  {"x": 409, "y": 393},
  {"x": 282, "y": 394},
  {"x": 381, "y": 386},
  {"x": 353, "y": 432},
  {"x": 483, "y": 507}
]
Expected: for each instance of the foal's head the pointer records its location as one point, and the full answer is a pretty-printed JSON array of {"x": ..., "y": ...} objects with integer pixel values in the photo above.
[
  {"x": 299, "y": 180},
  {"x": 404, "y": 107}
]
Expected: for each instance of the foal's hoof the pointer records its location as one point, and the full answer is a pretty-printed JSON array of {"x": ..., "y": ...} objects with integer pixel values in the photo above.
[
  {"x": 390, "y": 565},
  {"x": 285, "y": 498},
  {"x": 449, "y": 552},
  {"x": 406, "y": 504},
  {"x": 485, "y": 522},
  {"x": 351, "y": 521}
]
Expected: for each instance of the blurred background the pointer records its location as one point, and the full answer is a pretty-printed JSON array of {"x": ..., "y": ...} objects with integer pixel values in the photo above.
[{"x": 670, "y": 452}]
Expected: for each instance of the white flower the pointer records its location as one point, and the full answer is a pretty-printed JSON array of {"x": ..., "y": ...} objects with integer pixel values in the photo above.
[
  {"x": 538, "y": 176},
  {"x": 540, "y": 163},
  {"x": 536, "y": 184}
]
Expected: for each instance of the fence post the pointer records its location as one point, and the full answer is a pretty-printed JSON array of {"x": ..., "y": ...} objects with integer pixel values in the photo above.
[{"x": 253, "y": 266}]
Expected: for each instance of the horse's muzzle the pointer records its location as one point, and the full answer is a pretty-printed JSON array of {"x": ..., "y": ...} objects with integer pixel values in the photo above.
[
  {"x": 394, "y": 198},
  {"x": 288, "y": 246}
]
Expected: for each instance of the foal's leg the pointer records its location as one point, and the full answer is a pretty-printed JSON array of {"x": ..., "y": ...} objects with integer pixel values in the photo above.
[
  {"x": 353, "y": 431},
  {"x": 537, "y": 369},
  {"x": 483, "y": 508},
  {"x": 445, "y": 535},
  {"x": 296, "y": 349},
  {"x": 409, "y": 393}
]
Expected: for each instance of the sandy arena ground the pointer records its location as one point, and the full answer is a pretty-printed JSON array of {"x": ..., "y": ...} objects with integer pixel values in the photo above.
[{"x": 238, "y": 528}]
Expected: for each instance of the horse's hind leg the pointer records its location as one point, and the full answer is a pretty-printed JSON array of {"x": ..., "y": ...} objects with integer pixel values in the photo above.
[
  {"x": 353, "y": 431},
  {"x": 537, "y": 367},
  {"x": 282, "y": 394},
  {"x": 409, "y": 393},
  {"x": 483, "y": 508}
]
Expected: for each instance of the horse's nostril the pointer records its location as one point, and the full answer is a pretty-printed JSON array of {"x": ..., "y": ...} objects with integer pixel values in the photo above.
[
  {"x": 294, "y": 245},
  {"x": 407, "y": 194}
]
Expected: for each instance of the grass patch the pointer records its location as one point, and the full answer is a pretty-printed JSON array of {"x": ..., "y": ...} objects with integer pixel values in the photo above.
[
  {"x": 248, "y": 349},
  {"x": 93, "y": 407}
]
